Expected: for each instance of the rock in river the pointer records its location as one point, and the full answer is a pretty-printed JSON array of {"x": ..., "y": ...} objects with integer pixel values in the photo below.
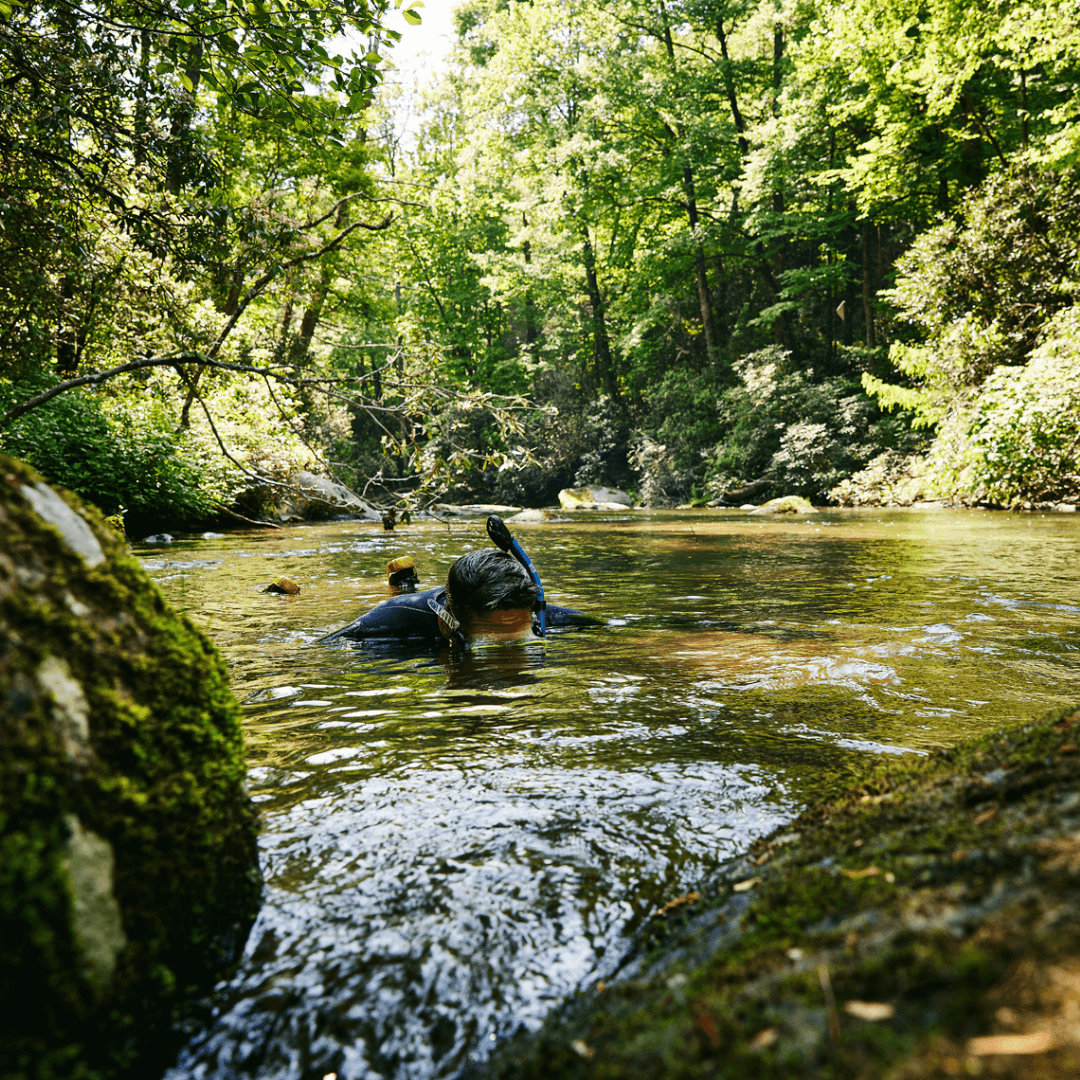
[
  {"x": 594, "y": 498},
  {"x": 314, "y": 498},
  {"x": 789, "y": 504},
  {"x": 128, "y": 867},
  {"x": 924, "y": 924}
]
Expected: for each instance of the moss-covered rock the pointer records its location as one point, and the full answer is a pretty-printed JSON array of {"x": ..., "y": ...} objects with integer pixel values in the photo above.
[
  {"x": 788, "y": 504},
  {"x": 927, "y": 924},
  {"x": 128, "y": 865}
]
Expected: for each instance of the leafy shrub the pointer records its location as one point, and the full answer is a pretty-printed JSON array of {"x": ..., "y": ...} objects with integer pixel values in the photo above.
[
  {"x": 803, "y": 435},
  {"x": 575, "y": 440},
  {"x": 1024, "y": 426},
  {"x": 978, "y": 290},
  {"x": 114, "y": 464},
  {"x": 661, "y": 482},
  {"x": 263, "y": 431},
  {"x": 682, "y": 413},
  {"x": 122, "y": 448}
]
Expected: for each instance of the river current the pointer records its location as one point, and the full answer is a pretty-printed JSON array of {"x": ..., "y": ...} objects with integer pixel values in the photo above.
[{"x": 450, "y": 847}]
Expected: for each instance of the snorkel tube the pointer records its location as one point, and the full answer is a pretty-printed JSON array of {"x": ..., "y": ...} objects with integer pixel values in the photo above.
[{"x": 501, "y": 538}]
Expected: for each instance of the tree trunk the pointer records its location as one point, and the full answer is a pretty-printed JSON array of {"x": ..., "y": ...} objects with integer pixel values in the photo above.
[
  {"x": 868, "y": 289},
  {"x": 783, "y": 323},
  {"x": 690, "y": 190},
  {"x": 309, "y": 321},
  {"x": 141, "y": 109},
  {"x": 700, "y": 273},
  {"x": 601, "y": 346},
  {"x": 67, "y": 352},
  {"x": 531, "y": 333},
  {"x": 729, "y": 89},
  {"x": 181, "y": 122}
]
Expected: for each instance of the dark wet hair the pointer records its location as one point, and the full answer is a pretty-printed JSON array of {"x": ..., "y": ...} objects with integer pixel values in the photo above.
[{"x": 488, "y": 580}]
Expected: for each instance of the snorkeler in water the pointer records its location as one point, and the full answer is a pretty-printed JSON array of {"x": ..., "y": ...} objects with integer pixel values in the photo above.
[{"x": 490, "y": 596}]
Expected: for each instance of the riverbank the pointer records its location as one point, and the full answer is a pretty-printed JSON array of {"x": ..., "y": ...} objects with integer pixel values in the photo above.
[{"x": 925, "y": 924}]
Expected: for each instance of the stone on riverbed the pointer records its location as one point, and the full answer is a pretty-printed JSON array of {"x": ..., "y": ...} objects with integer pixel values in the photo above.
[
  {"x": 128, "y": 866},
  {"x": 594, "y": 498},
  {"x": 473, "y": 509},
  {"x": 532, "y": 517}
]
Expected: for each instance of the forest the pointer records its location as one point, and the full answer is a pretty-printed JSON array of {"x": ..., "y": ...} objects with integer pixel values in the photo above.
[{"x": 691, "y": 248}]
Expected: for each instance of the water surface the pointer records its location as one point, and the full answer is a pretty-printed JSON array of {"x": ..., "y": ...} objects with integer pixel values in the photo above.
[{"x": 450, "y": 847}]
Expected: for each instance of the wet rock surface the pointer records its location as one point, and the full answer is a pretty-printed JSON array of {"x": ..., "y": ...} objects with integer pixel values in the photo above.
[
  {"x": 926, "y": 924},
  {"x": 128, "y": 871}
]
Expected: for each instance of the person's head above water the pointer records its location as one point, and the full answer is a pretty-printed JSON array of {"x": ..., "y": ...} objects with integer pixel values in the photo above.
[{"x": 491, "y": 596}]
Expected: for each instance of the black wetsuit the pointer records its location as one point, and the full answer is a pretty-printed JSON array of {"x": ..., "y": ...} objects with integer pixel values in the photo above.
[{"x": 409, "y": 617}]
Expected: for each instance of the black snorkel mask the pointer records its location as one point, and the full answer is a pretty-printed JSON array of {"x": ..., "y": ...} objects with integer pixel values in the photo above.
[{"x": 501, "y": 538}]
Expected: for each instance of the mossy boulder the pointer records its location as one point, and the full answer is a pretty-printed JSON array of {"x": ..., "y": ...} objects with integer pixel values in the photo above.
[
  {"x": 788, "y": 504},
  {"x": 128, "y": 863},
  {"x": 925, "y": 924}
]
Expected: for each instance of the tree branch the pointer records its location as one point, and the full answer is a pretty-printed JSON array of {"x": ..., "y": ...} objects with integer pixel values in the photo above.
[{"x": 257, "y": 289}]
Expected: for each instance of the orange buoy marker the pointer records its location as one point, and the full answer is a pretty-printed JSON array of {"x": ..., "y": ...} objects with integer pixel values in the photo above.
[
  {"x": 401, "y": 574},
  {"x": 283, "y": 586}
]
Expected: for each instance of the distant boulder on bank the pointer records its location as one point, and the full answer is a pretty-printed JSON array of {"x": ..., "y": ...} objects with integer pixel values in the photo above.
[
  {"x": 128, "y": 864},
  {"x": 789, "y": 504},
  {"x": 314, "y": 497},
  {"x": 594, "y": 498}
]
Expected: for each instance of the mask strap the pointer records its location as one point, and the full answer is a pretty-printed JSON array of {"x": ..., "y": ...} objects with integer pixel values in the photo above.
[{"x": 453, "y": 625}]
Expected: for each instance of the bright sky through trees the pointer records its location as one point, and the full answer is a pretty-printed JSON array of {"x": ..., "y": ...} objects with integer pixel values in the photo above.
[{"x": 425, "y": 45}]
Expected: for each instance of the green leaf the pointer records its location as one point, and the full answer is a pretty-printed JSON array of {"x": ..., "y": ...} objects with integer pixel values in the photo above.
[
  {"x": 189, "y": 86},
  {"x": 412, "y": 18}
]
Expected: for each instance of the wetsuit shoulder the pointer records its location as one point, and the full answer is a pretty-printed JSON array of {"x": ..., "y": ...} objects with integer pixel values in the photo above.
[{"x": 402, "y": 617}]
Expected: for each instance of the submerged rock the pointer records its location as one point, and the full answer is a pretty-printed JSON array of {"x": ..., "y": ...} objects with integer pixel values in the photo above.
[
  {"x": 925, "y": 924},
  {"x": 128, "y": 867},
  {"x": 594, "y": 498},
  {"x": 284, "y": 586},
  {"x": 536, "y": 517},
  {"x": 472, "y": 509}
]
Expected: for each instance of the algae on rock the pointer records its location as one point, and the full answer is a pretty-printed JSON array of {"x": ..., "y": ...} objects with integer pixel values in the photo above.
[{"x": 128, "y": 864}]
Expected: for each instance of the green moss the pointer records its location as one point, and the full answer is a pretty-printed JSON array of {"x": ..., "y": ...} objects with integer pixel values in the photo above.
[
  {"x": 925, "y": 888},
  {"x": 161, "y": 780}
]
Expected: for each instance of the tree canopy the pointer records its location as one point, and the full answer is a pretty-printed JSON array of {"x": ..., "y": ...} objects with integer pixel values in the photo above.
[{"x": 712, "y": 242}]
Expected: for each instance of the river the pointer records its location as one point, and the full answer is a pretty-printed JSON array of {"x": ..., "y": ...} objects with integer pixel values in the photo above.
[{"x": 451, "y": 847}]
